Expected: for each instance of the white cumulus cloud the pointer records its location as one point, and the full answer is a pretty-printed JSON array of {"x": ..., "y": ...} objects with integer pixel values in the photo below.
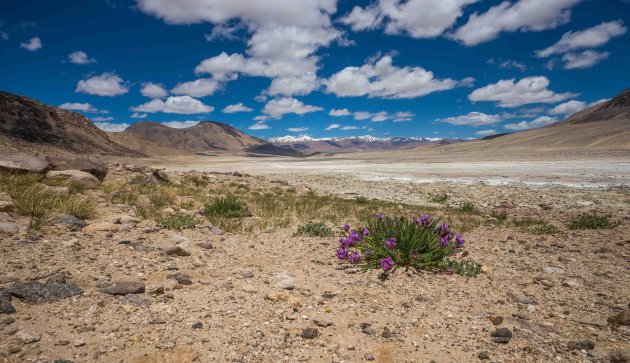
[
  {"x": 107, "y": 84},
  {"x": 139, "y": 115},
  {"x": 83, "y": 107},
  {"x": 339, "y": 112},
  {"x": 297, "y": 129},
  {"x": 80, "y": 57},
  {"x": 174, "y": 104},
  {"x": 521, "y": 15},
  {"x": 198, "y": 88},
  {"x": 180, "y": 124},
  {"x": 484, "y": 133},
  {"x": 33, "y": 44},
  {"x": 153, "y": 90},
  {"x": 260, "y": 125},
  {"x": 508, "y": 93},
  {"x": 526, "y": 125},
  {"x": 276, "y": 108},
  {"x": 472, "y": 119},
  {"x": 384, "y": 80},
  {"x": 111, "y": 127},
  {"x": 237, "y": 107},
  {"x": 587, "y": 38},
  {"x": 585, "y": 59}
]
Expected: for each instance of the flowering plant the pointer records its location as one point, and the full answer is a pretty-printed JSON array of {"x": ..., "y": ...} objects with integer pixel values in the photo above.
[{"x": 420, "y": 243}]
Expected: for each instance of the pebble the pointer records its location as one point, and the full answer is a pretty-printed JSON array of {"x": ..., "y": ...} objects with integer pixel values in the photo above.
[
  {"x": 523, "y": 299},
  {"x": 367, "y": 329},
  {"x": 496, "y": 319},
  {"x": 125, "y": 287},
  {"x": 26, "y": 337},
  {"x": 177, "y": 251},
  {"x": 322, "y": 321},
  {"x": 623, "y": 318},
  {"x": 501, "y": 335},
  {"x": 180, "y": 278},
  {"x": 205, "y": 245},
  {"x": 483, "y": 355},
  {"x": 310, "y": 333},
  {"x": 197, "y": 325},
  {"x": 369, "y": 356},
  {"x": 78, "y": 343},
  {"x": 247, "y": 274},
  {"x": 582, "y": 345}
]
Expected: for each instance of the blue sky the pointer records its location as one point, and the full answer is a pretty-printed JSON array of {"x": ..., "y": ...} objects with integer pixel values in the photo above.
[{"x": 423, "y": 68}]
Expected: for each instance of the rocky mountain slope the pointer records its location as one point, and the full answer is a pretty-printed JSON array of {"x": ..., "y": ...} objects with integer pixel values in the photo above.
[
  {"x": 206, "y": 136},
  {"x": 617, "y": 108},
  {"x": 29, "y": 124},
  {"x": 353, "y": 144}
]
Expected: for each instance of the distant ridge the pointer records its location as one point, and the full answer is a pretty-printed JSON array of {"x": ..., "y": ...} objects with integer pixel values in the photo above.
[
  {"x": 617, "y": 108},
  {"x": 306, "y": 143},
  {"x": 29, "y": 124}
]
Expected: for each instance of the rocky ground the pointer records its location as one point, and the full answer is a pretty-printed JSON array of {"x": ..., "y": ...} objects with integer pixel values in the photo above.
[{"x": 116, "y": 288}]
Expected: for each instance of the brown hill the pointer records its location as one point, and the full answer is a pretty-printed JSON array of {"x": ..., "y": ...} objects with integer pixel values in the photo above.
[
  {"x": 616, "y": 109},
  {"x": 206, "y": 136},
  {"x": 29, "y": 124}
]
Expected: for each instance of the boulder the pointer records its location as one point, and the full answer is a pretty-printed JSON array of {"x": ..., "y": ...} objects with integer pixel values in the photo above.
[
  {"x": 23, "y": 163},
  {"x": 96, "y": 168},
  {"x": 38, "y": 293},
  {"x": 8, "y": 229},
  {"x": 153, "y": 178},
  {"x": 84, "y": 178}
]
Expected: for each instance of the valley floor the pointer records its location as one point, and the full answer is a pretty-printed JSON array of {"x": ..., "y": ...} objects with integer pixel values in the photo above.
[{"x": 256, "y": 287}]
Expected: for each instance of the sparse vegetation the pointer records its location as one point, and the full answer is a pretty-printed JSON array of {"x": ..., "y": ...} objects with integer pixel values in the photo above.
[
  {"x": 311, "y": 229},
  {"x": 35, "y": 201},
  {"x": 229, "y": 207},
  {"x": 438, "y": 198},
  {"x": 592, "y": 221},
  {"x": 469, "y": 208},
  {"x": 535, "y": 226},
  {"x": 500, "y": 217},
  {"x": 80, "y": 206},
  {"x": 178, "y": 222},
  {"x": 398, "y": 242}
]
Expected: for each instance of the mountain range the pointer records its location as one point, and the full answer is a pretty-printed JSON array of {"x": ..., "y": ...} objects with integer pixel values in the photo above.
[{"x": 307, "y": 144}]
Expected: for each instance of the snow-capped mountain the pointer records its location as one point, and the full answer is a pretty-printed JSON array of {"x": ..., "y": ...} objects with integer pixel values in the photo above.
[{"x": 306, "y": 143}]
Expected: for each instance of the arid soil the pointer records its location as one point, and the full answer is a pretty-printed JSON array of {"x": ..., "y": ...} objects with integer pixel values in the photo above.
[{"x": 267, "y": 296}]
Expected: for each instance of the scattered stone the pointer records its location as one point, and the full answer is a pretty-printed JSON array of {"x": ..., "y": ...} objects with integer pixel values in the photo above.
[
  {"x": 6, "y": 206},
  {"x": 367, "y": 329},
  {"x": 38, "y": 293},
  {"x": 180, "y": 240},
  {"x": 5, "y": 303},
  {"x": 386, "y": 333},
  {"x": 143, "y": 248},
  {"x": 177, "y": 251},
  {"x": 422, "y": 298},
  {"x": 124, "y": 242},
  {"x": 310, "y": 333},
  {"x": 73, "y": 223},
  {"x": 282, "y": 296},
  {"x": 523, "y": 299},
  {"x": 96, "y": 168},
  {"x": 81, "y": 177},
  {"x": 78, "y": 343},
  {"x": 501, "y": 335},
  {"x": 368, "y": 357},
  {"x": 496, "y": 319},
  {"x": 322, "y": 321},
  {"x": 181, "y": 278},
  {"x": 205, "y": 245},
  {"x": 619, "y": 356},
  {"x": 486, "y": 269},
  {"x": 483, "y": 355},
  {"x": 136, "y": 300},
  {"x": 623, "y": 318},
  {"x": 197, "y": 325},
  {"x": 63, "y": 361},
  {"x": 125, "y": 287},
  {"x": 23, "y": 163},
  {"x": 217, "y": 231},
  {"x": 247, "y": 274},
  {"x": 6, "y": 321},
  {"x": 153, "y": 178},
  {"x": 9, "y": 229},
  {"x": 101, "y": 227},
  {"x": 284, "y": 281},
  {"x": 26, "y": 337},
  {"x": 269, "y": 230},
  {"x": 582, "y": 345}
]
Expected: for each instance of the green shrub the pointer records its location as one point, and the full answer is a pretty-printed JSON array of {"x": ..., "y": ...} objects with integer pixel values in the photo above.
[
  {"x": 592, "y": 221},
  {"x": 35, "y": 201},
  {"x": 535, "y": 226},
  {"x": 469, "y": 208},
  {"x": 418, "y": 243},
  {"x": 178, "y": 222},
  {"x": 228, "y": 206},
  {"x": 438, "y": 198},
  {"x": 314, "y": 230},
  {"x": 79, "y": 206},
  {"x": 500, "y": 216}
]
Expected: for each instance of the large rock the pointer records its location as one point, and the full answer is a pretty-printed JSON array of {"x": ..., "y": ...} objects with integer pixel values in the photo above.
[
  {"x": 84, "y": 178},
  {"x": 125, "y": 287},
  {"x": 8, "y": 229},
  {"x": 23, "y": 163},
  {"x": 96, "y": 168},
  {"x": 38, "y": 293}
]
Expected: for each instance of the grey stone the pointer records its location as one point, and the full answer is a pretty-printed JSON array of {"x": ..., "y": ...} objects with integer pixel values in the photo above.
[
  {"x": 181, "y": 278},
  {"x": 38, "y": 293},
  {"x": 367, "y": 329},
  {"x": 310, "y": 333},
  {"x": 177, "y": 251},
  {"x": 125, "y": 287},
  {"x": 623, "y": 318},
  {"x": 96, "y": 168},
  {"x": 136, "y": 300},
  {"x": 9, "y": 229},
  {"x": 526, "y": 300},
  {"x": 5, "y": 303},
  {"x": 23, "y": 163},
  {"x": 247, "y": 274},
  {"x": 72, "y": 222},
  {"x": 582, "y": 345},
  {"x": 501, "y": 335}
]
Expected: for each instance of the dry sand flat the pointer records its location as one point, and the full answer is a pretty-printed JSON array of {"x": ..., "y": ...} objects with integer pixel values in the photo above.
[{"x": 251, "y": 296}]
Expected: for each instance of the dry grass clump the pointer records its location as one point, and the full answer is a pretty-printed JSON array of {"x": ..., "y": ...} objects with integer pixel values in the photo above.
[{"x": 80, "y": 206}]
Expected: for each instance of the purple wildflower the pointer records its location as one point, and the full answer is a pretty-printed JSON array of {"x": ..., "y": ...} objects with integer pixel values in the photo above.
[
  {"x": 379, "y": 217},
  {"x": 366, "y": 232},
  {"x": 442, "y": 229},
  {"x": 449, "y": 271},
  {"x": 387, "y": 264},
  {"x": 346, "y": 227},
  {"x": 342, "y": 253},
  {"x": 390, "y": 243},
  {"x": 459, "y": 240},
  {"x": 354, "y": 257},
  {"x": 444, "y": 241}
]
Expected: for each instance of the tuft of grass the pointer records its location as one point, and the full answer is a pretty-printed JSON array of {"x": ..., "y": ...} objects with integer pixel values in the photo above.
[
  {"x": 80, "y": 206},
  {"x": 195, "y": 179},
  {"x": 229, "y": 207},
  {"x": 500, "y": 216},
  {"x": 535, "y": 226},
  {"x": 361, "y": 200},
  {"x": 592, "y": 221},
  {"x": 469, "y": 208},
  {"x": 544, "y": 206},
  {"x": 438, "y": 198},
  {"x": 178, "y": 222},
  {"x": 35, "y": 201},
  {"x": 147, "y": 211},
  {"x": 160, "y": 196},
  {"x": 318, "y": 229}
]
